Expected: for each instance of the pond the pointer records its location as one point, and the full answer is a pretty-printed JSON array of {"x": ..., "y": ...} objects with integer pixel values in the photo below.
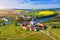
[
  {"x": 8, "y": 23},
  {"x": 45, "y": 19}
]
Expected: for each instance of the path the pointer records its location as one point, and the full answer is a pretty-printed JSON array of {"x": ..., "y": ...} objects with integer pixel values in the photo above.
[{"x": 47, "y": 33}]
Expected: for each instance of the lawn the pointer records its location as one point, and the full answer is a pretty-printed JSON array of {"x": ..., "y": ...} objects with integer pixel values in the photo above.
[
  {"x": 12, "y": 32},
  {"x": 55, "y": 33}
]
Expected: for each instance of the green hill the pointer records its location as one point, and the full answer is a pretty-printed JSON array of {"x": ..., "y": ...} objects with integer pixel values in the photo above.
[{"x": 10, "y": 32}]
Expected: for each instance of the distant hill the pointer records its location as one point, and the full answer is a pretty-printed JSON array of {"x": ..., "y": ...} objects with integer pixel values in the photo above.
[{"x": 38, "y": 9}]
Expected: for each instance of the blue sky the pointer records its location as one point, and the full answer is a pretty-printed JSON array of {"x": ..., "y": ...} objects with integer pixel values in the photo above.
[{"x": 29, "y": 4}]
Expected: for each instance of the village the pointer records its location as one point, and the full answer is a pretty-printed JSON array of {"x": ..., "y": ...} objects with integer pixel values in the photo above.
[
  {"x": 27, "y": 22},
  {"x": 24, "y": 23}
]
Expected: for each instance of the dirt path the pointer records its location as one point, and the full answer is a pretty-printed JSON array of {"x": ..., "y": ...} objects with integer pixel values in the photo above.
[{"x": 47, "y": 33}]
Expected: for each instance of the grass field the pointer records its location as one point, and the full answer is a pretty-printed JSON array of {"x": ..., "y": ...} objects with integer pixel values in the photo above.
[
  {"x": 11, "y": 32},
  {"x": 55, "y": 33}
]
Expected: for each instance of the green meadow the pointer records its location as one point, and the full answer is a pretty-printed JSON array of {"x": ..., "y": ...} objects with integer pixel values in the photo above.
[{"x": 11, "y": 32}]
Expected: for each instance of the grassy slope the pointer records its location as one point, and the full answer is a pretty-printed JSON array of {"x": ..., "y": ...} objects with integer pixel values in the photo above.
[
  {"x": 11, "y": 32},
  {"x": 55, "y": 32}
]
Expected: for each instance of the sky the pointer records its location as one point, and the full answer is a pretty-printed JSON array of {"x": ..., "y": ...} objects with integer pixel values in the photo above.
[{"x": 29, "y": 4}]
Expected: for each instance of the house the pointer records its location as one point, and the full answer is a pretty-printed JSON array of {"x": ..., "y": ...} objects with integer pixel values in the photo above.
[
  {"x": 23, "y": 26},
  {"x": 37, "y": 27},
  {"x": 5, "y": 19},
  {"x": 41, "y": 26}
]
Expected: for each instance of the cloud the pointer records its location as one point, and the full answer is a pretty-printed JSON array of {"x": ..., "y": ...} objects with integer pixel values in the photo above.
[
  {"x": 27, "y": 4},
  {"x": 30, "y": 6}
]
